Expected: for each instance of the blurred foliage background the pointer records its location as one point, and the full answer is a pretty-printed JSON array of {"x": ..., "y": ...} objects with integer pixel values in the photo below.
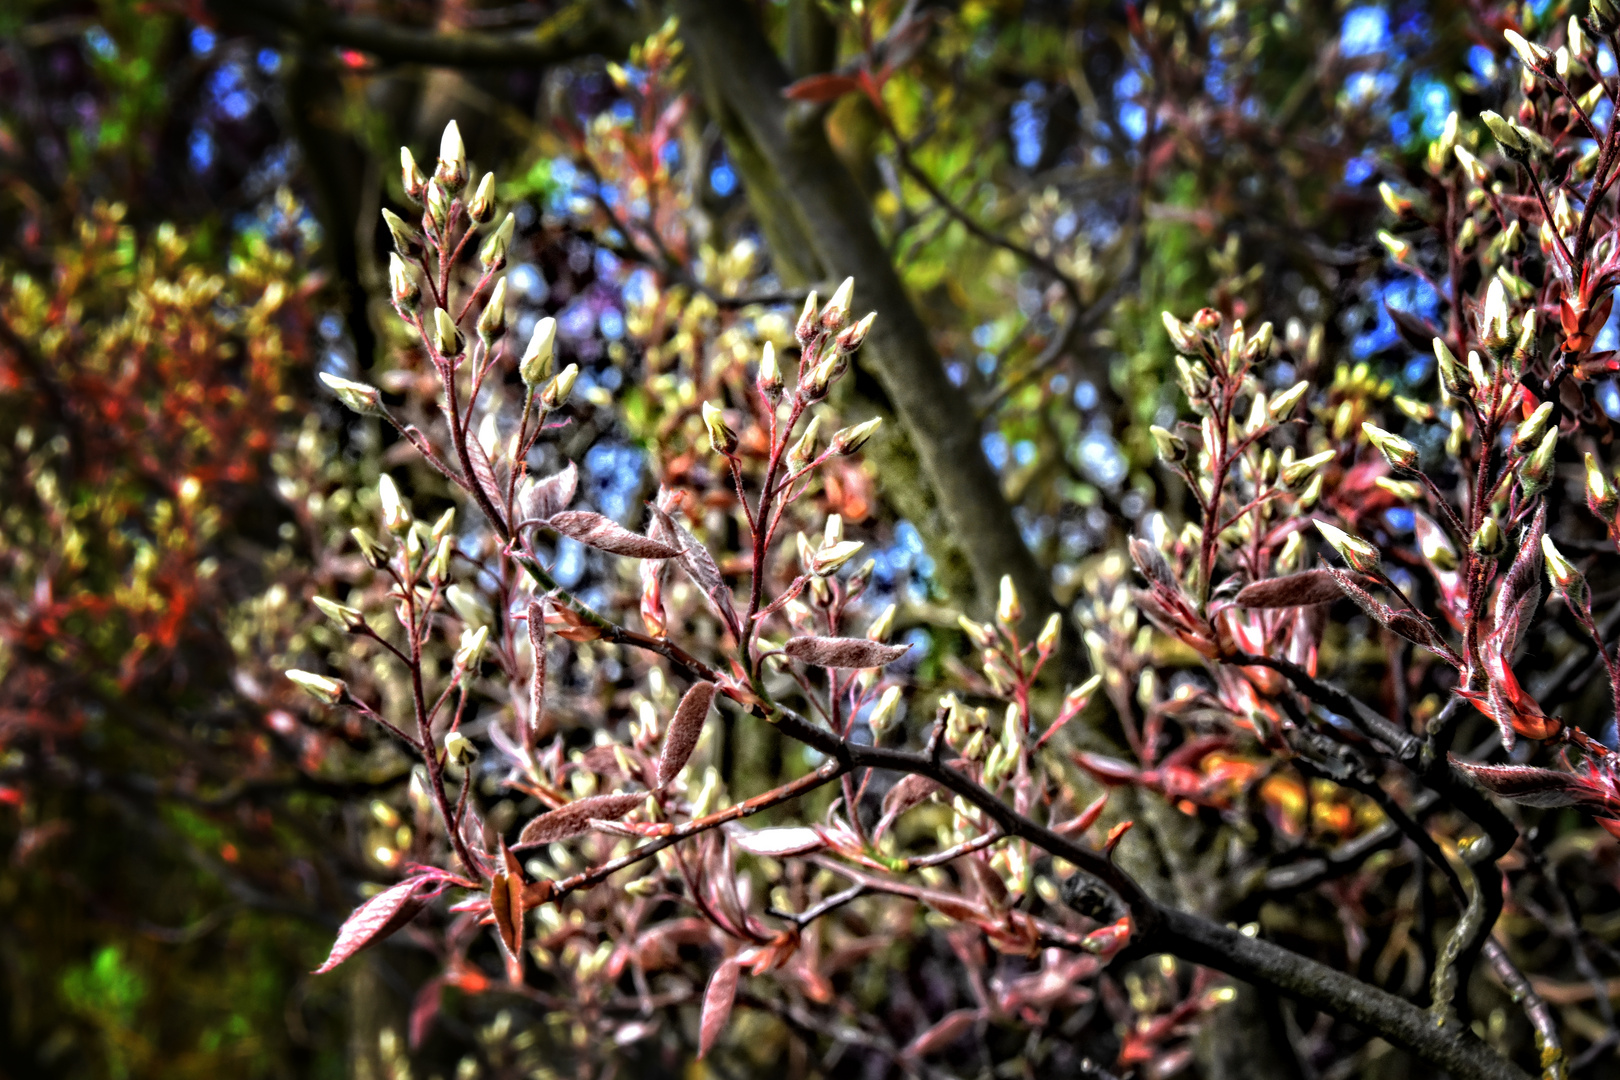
[{"x": 189, "y": 234}]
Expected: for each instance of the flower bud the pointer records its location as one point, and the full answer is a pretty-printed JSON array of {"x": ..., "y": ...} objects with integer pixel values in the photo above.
[
  {"x": 850, "y": 439},
  {"x": 447, "y": 340},
  {"x": 459, "y": 749},
  {"x": 1495, "y": 330},
  {"x": 436, "y": 204},
  {"x": 452, "y": 170},
  {"x": 1516, "y": 140},
  {"x": 833, "y": 532},
  {"x": 1396, "y": 202},
  {"x": 805, "y": 329},
  {"x": 471, "y": 648},
  {"x": 357, "y": 397},
  {"x": 1405, "y": 490},
  {"x": 1535, "y": 473},
  {"x": 439, "y": 567},
  {"x": 373, "y": 552},
  {"x": 1296, "y": 474},
  {"x": 1206, "y": 320},
  {"x": 1604, "y": 15},
  {"x": 829, "y": 559},
  {"x": 411, "y": 178},
  {"x": 1530, "y": 54},
  {"x": 536, "y": 363},
  {"x": 721, "y": 437},
  {"x": 1400, "y": 453},
  {"x": 323, "y": 689},
  {"x": 345, "y": 617},
  {"x": 769, "y": 381},
  {"x": 1433, "y": 544},
  {"x": 822, "y": 376},
  {"x": 1476, "y": 169},
  {"x": 1182, "y": 335},
  {"x": 492, "y": 256},
  {"x": 1513, "y": 238},
  {"x": 882, "y": 626},
  {"x": 406, "y": 241},
  {"x": 1048, "y": 638},
  {"x": 882, "y": 716},
  {"x": 1452, "y": 374},
  {"x": 804, "y": 451},
  {"x": 1357, "y": 553},
  {"x": 1488, "y": 538},
  {"x": 407, "y": 294},
  {"x": 856, "y": 583},
  {"x": 1567, "y": 581},
  {"x": 977, "y": 633},
  {"x": 555, "y": 395},
  {"x": 1533, "y": 427},
  {"x": 396, "y": 516},
  {"x": 1601, "y": 496},
  {"x": 1172, "y": 447},
  {"x": 1420, "y": 411},
  {"x": 482, "y": 207},
  {"x": 492, "y": 320},
  {"x": 1008, "y": 608},
  {"x": 836, "y": 313},
  {"x": 1398, "y": 249},
  {"x": 1284, "y": 403},
  {"x": 850, "y": 338}
]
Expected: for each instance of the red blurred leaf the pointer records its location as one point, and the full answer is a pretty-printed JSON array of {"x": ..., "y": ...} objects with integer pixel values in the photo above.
[
  {"x": 381, "y": 916},
  {"x": 717, "y": 1002},
  {"x": 1541, "y": 787},
  {"x": 820, "y": 89},
  {"x": 1109, "y": 770},
  {"x": 576, "y": 818},
  {"x": 948, "y": 1029},
  {"x": 684, "y": 731},
  {"x": 605, "y": 534},
  {"x": 1088, "y": 817},
  {"x": 843, "y": 652},
  {"x": 1115, "y": 835},
  {"x": 424, "y": 1009},
  {"x": 912, "y": 791},
  {"x": 537, "y": 681}
]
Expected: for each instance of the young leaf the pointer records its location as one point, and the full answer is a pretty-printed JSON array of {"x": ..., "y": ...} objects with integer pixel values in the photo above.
[
  {"x": 381, "y": 916},
  {"x": 537, "y": 682},
  {"x": 684, "y": 730},
  {"x": 1520, "y": 593},
  {"x": 1540, "y": 787},
  {"x": 843, "y": 652},
  {"x": 717, "y": 1001},
  {"x": 541, "y": 500},
  {"x": 484, "y": 474},
  {"x": 699, "y": 565},
  {"x": 780, "y": 842},
  {"x": 912, "y": 791},
  {"x": 1296, "y": 590},
  {"x": 576, "y": 818},
  {"x": 605, "y": 534}
]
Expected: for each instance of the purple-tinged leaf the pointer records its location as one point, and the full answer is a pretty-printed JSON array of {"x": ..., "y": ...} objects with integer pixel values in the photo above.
[
  {"x": 1541, "y": 787},
  {"x": 717, "y": 1002},
  {"x": 1296, "y": 590},
  {"x": 699, "y": 565},
  {"x": 682, "y": 737},
  {"x": 576, "y": 818},
  {"x": 605, "y": 534},
  {"x": 541, "y": 500},
  {"x": 1520, "y": 592},
  {"x": 912, "y": 791},
  {"x": 843, "y": 652},
  {"x": 484, "y": 475},
  {"x": 381, "y": 916},
  {"x": 537, "y": 682}
]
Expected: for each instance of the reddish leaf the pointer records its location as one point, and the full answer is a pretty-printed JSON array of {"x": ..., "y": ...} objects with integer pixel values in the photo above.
[
  {"x": 950, "y": 1028},
  {"x": 699, "y": 565},
  {"x": 1088, "y": 817},
  {"x": 684, "y": 730},
  {"x": 381, "y": 916},
  {"x": 537, "y": 682},
  {"x": 912, "y": 791},
  {"x": 484, "y": 474},
  {"x": 1540, "y": 787},
  {"x": 843, "y": 652},
  {"x": 605, "y": 534},
  {"x": 1295, "y": 590},
  {"x": 820, "y": 89},
  {"x": 544, "y": 499},
  {"x": 1115, "y": 835},
  {"x": 1150, "y": 560},
  {"x": 1109, "y": 770},
  {"x": 424, "y": 1009},
  {"x": 717, "y": 1001},
  {"x": 576, "y": 818},
  {"x": 506, "y": 905},
  {"x": 1520, "y": 593}
]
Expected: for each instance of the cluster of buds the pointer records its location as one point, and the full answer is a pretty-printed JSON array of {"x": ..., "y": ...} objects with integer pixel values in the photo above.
[{"x": 827, "y": 339}]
